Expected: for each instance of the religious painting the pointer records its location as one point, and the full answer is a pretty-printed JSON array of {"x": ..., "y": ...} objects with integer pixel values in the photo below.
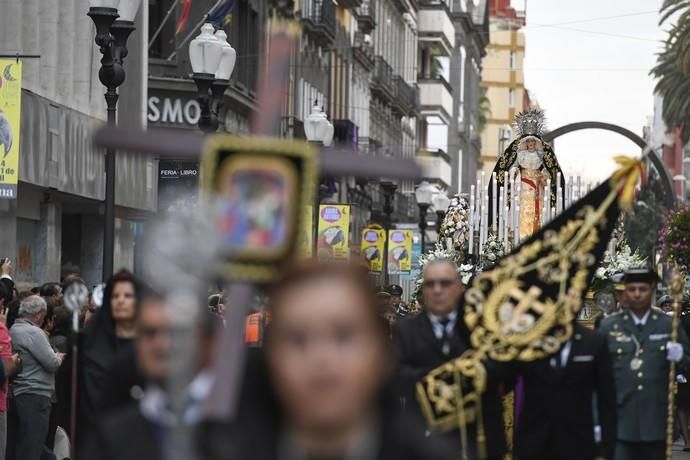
[{"x": 259, "y": 188}]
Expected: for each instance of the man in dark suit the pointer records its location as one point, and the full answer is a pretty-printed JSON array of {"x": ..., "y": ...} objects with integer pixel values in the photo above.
[
  {"x": 557, "y": 420},
  {"x": 435, "y": 336}
]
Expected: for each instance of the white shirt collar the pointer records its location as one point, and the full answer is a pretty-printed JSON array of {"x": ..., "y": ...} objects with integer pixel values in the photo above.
[
  {"x": 642, "y": 320},
  {"x": 437, "y": 319}
]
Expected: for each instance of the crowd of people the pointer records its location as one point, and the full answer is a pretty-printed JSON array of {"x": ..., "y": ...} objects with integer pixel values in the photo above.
[{"x": 330, "y": 372}]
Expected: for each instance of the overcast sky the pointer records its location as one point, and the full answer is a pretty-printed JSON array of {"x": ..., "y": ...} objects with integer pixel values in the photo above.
[{"x": 589, "y": 61}]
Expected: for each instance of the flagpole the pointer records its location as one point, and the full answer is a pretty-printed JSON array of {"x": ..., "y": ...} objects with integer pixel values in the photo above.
[
  {"x": 163, "y": 22},
  {"x": 193, "y": 31}
]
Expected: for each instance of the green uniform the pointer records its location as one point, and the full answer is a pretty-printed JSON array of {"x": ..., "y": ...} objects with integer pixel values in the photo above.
[{"x": 638, "y": 356}]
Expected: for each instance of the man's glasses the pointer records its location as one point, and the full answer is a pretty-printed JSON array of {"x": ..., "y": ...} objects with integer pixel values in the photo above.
[{"x": 445, "y": 284}]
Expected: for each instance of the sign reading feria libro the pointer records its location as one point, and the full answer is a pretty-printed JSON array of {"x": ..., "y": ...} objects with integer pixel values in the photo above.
[{"x": 10, "y": 117}]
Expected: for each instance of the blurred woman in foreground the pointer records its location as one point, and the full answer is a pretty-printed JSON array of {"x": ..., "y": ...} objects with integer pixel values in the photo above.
[{"x": 319, "y": 388}]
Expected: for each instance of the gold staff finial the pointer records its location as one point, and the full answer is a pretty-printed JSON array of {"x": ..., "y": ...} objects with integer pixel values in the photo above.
[{"x": 676, "y": 287}]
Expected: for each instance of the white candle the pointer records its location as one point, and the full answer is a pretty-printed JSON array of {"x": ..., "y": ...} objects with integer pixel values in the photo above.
[
  {"x": 505, "y": 228},
  {"x": 470, "y": 222},
  {"x": 494, "y": 200},
  {"x": 559, "y": 205},
  {"x": 500, "y": 214}
]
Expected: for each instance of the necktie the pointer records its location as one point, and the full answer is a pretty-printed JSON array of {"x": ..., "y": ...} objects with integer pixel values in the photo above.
[
  {"x": 445, "y": 342},
  {"x": 640, "y": 326}
]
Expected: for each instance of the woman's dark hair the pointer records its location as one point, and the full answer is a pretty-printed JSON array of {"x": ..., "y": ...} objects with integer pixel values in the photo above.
[
  {"x": 12, "y": 312},
  {"x": 62, "y": 324},
  {"x": 50, "y": 289},
  {"x": 309, "y": 271}
]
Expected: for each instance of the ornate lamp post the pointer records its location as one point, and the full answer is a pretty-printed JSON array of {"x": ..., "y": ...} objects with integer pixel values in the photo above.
[
  {"x": 213, "y": 60},
  {"x": 424, "y": 193},
  {"x": 440, "y": 202},
  {"x": 320, "y": 131},
  {"x": 114, "y": 21}
]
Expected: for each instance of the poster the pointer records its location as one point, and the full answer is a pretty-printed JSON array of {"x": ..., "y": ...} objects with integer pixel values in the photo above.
[
  {"x": 399, "y": 252},
  {"x": 416, "y": 254},
  {"x": 10, "y": 116},
  {"x": 373, "y": 247},
  {"x": 334, "y": 232},
  {"x": 306, "y": 241}
]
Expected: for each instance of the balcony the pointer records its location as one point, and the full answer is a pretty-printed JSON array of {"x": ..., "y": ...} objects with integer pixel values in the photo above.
[
  {"x": 405, "y": 97},
  {"x": 435, "y": 27},
  {"x": 318, "y": 19},
  {"x": 363, "y": 51},
  {"x": 382, "y": 81},
  {"x": 435, "y": 166},
  {"x": 366, "y": 16},
  {"x": 436, "y": 98}
]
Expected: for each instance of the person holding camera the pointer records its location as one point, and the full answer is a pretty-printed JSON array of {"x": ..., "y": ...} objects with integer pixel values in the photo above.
[{"x": 34, "y": 385}]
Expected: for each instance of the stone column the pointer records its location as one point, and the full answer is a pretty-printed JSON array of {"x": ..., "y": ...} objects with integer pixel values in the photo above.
[{"x": 49, "y": 243}]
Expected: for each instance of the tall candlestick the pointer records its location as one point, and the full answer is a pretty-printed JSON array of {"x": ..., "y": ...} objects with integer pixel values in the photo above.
[
  {"x": 500, "y": 214},
  {"x": 579, "y": 187},
  {"x": 559, "y": 194},
  {"x": 505, "y": 228}
]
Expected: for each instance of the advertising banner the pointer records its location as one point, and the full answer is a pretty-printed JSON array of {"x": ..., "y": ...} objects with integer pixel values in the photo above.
[
  {"x": 334, "y": 232},
  {"x": 373, "y": 245},
  {"x": 399, "y": 252},
  {"x": 10, "y": 118}
]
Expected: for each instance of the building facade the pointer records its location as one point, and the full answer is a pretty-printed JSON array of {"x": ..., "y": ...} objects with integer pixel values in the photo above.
[
  {"x": 502, "y": 79},
  {"x": 53, "y": 227},
  {"x": 453, "y": 35}
]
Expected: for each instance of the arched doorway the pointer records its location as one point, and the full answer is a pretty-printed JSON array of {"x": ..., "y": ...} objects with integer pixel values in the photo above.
[{"x": 670, "y": 196}]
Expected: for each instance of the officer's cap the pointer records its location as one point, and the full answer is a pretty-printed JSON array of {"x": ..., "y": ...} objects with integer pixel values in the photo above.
[
  {"x": 640, "y": 275},
  {"x": 395, "y": 290}
]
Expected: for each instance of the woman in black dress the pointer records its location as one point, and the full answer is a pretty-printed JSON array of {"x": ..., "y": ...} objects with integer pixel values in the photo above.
[{"x": 107, "y": 366}]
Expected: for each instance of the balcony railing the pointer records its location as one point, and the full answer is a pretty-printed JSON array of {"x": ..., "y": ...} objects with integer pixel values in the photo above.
[
  {"x": 405, "y": 96},
  {"x": 318, "y": 18},
  {"x": 366, "y": 16},
  {"x": 363, "y": 50},
  {"x": 382, "y": 81}
]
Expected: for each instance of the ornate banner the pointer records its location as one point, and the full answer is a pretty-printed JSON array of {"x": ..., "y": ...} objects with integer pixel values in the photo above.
[
  {"x": 10, "y": 119},
  {"x": 399, "y": 252},
  {"x": 334, "y": 232},
  {"x": 373, "y": 246}
]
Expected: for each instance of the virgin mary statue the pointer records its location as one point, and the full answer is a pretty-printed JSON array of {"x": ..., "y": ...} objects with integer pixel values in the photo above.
[{"x": 532, "y": 161}]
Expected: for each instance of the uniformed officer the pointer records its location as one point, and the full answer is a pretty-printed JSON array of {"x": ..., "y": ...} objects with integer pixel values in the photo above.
[
  {"x": 640, "y": 347},
  {"x": 399, "y": 307}
]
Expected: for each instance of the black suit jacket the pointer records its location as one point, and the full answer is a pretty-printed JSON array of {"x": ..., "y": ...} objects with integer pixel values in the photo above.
[
  {"x": 122, "y": 434},
  {"x": 557, "y": 417},
  {"x": 418, "y": 351}
]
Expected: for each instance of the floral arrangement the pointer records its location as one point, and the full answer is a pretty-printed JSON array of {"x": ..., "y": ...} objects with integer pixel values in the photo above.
[
  {"x": 623, "y": 258},
  {"x": 492, "y": 251},
  {"x": 465, "y": 271},
  {"x": 455, "y": 228},
  {"x": 674, "y": 238}
]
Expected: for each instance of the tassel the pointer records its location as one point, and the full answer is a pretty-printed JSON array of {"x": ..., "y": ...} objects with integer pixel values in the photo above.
[{"x": 625, "y": 179}]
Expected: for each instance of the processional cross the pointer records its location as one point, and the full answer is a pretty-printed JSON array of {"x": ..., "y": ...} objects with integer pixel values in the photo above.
[{"x": 184, "y": 251}]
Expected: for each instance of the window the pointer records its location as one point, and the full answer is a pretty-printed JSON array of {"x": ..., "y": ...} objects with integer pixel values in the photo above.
[
  {"x": 513, "y": 60},
  {"x": 162, "y": 33},
  {"x": 511, "y": 97},
  {"x": 244, "y": 34}
]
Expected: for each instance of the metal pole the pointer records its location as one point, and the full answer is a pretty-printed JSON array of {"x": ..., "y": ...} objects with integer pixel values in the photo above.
[{"x": 111, "y": 97}]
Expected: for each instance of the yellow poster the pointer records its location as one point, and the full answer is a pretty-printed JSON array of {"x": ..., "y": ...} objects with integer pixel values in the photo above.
[
  {"x": 399, "y": 251},
  {"x": 306, "y": 243},
  {"x": 10, "y": 116},
  {"x": 373, "y": 243},
  {"x": 334, "y": 232}
]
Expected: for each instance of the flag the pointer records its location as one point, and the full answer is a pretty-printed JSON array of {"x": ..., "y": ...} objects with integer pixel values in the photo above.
[
  {"x": 184, "y": 16},
  {"x": 524, "y": 308},
  {"x": 221, "y": 15}
]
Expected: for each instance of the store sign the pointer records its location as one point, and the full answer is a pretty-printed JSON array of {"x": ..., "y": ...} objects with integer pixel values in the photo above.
[
  {"x": 173, "y": 110},
  {"x": 10, "y": 118},
  {"x": 178, "y": 184}
]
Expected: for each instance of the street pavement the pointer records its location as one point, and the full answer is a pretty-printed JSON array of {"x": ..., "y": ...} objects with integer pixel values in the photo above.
[{"x": 678, "y": 453}]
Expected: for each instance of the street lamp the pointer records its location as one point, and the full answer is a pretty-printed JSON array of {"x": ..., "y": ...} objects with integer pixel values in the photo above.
[
  {"x": 213, "y": 60},
  {"x": 441, "y": 202},
  {"x": 114, "y": 21},
  {"x": 424, "y": 193},
  {"x": 317, "y": 128}
]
